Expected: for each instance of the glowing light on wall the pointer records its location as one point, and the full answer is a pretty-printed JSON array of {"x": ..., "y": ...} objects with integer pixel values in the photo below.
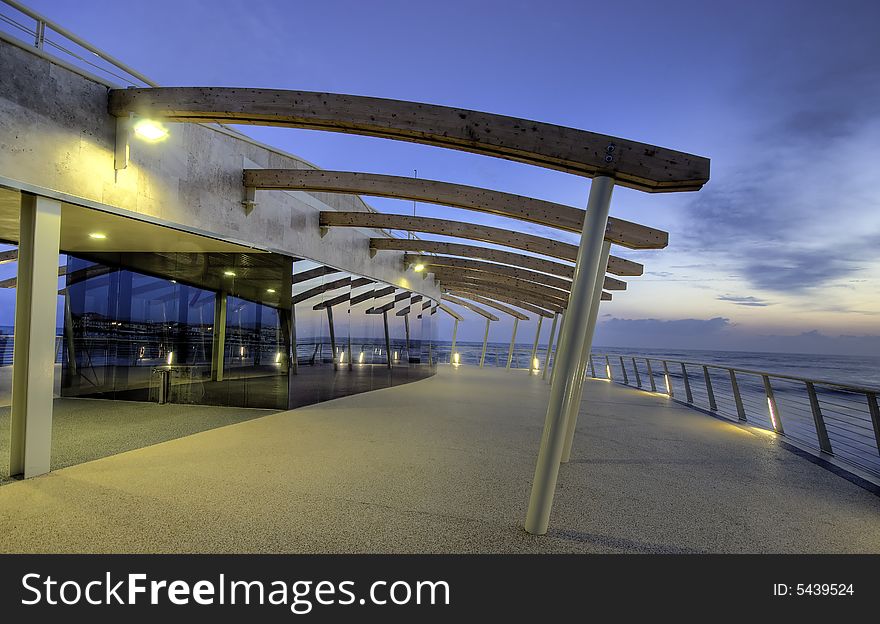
[
  {"x": 361, "y": 358},
  {"x": 608, "y": 371},
  {"x": 170, "y": 357},
  {"x": 150, "y": 131},
  {"x": 241, "y": 352},
  {"x": 278, "y": 357},
  {"x": 97, "y": 235},
  {"x": 419, "y": 268},
  {"x": 229, "y": 273},
  {"x": 342, "y": 357},
  {"x": 396, "y": 357}
]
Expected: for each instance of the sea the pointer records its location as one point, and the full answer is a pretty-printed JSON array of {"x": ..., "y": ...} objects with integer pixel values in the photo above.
[{"x": 862, "y": 371}]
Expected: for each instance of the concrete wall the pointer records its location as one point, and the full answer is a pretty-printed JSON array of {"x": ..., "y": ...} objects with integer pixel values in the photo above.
[{"x": 55, "y": 133}]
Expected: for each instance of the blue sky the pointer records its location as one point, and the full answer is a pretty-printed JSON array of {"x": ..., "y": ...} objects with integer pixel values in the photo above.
[{"x": 784, "y": 97}]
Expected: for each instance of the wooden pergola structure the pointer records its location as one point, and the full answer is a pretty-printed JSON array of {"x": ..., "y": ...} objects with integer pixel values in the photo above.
[{"x": 610, "y": 161}]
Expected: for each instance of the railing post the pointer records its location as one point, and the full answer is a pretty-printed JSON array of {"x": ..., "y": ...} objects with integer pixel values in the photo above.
[
  {"x": 668, "y": 380},
  {"x": 549, "y": 346},
  {"x": 592, "y": 367},
  {"x": 875, "y": 416},
  {"x": 638, "y": 376},
  {"x": 775, "y": 418},
  {"x": 818, "y": 420},
  {"x": 713, "y": 406},
  {"x": 623, "y": 368},
  {"x": 651, "y": 375},
  {"x": 687, "y": 383},
  {"x": 608, "y": 368},
  {"x": 40, "y": 34},
  {"x": 512, "y": 343},
  {"x": 485, "y": 342},
  {"x": 737, "y": 397},
  {"x": 570, "y": 356}
]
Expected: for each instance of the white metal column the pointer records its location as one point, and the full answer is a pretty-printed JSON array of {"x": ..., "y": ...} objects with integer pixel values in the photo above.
[
  {"x": 485, "y": 342},
  {"x": 549, "y": 346},
  {"x": 218, "y": 350},
  {"x": 578, "y": 386},
  {"x": 512, "y": 342},
  {"x": 33, "y": 360},
  {"x": 454, "y": 336},
  {"x": 558, "y": 346},
  {"x": 532, "y": 364},
  {"x": 569, "y": 355}
]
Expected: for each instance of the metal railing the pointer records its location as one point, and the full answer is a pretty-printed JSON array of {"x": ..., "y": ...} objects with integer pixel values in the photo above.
[
  {"x": 38, "y": 30},
  {"x": 828, "y": 418}
]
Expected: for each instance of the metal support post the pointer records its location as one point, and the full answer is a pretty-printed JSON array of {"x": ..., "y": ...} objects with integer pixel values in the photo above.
[
  {"x": 818, "y": 420},
  {"x": 485, "y": 342},
  {"x": 512, "y": 343},
  {"x": 713, "y": 406},
  {"x": 454, "y": 337},
  {"x": 549, "y": 346},
  {"x": 570, "y": 355},
  {"x": 687, "y": 384},
  {"x": 651, "y": 375},
  {"x": 577, "y": 389},
  {"x": 218, "y": 348},
  {"x": 737, "y": 397},
  {"x": 532, "y": 363},
  {"x": 33, "y": 355}
]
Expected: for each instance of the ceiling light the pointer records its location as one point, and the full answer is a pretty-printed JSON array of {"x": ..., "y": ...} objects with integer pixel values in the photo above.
[
  {"x": 97, "y": 235},
  {"x": 150, "y": 131}
]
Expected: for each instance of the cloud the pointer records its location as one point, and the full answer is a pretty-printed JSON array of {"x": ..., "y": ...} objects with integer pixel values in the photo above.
[
  {"x": 793, "y": 205},
  {"x": 720, "y": 334},
  {"x": 744, "y": 301}
]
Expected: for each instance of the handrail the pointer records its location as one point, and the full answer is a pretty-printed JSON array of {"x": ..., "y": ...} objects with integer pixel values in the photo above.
[
  {"x": 39, "y": 34},
  {"x": 837, "y": 419}
]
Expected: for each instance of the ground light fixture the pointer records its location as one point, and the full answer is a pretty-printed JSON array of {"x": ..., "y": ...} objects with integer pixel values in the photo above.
[
  {"x": 456, "y": 359},
  {"x": 668, "y": 386},
  {"x": 772, "y": 413},
  {"x": 229, "y": 273},
  {"x": 271, "y": 291},
  {"x": 342, "y": 357},
  {"x": 97, "y": 235},
  {"x": 170, "y": 358},
  {"x": 150, "y": 131},
  {"x": 361, "y": 358},
  {"x": 536, "y": 365}
]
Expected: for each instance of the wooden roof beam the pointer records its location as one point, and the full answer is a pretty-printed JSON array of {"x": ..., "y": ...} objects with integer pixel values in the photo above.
[
  {"x": 632, "y": 164},
  {"x": 470, "y": 306},
  {"x": 568, "y": 218},
  {"x": 616, "y": 266}
]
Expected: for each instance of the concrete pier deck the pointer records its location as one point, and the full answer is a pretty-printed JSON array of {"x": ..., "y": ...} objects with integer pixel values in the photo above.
[{"x": 445, "y": 465}]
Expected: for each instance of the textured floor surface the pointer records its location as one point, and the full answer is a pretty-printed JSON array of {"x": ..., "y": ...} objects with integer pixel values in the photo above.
[
  {"x": 445, "y": 465},
  {"x": 87, "y": 429}
]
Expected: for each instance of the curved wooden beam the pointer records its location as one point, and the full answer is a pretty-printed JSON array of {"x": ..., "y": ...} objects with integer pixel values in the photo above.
[
  {"x": 636, "y": 165},
  {"x": 321, "y": 289},
  {"x": 371, "y": 294},
  {"x": 449, "y": 311},
  {"x": 493, "y": 301},
  {"x": 616, "y": 266},
  {"x": 494, "y": 304},
  {"x": 568, "y": 218},
  {"x": 466, "y": 264},
  {"x": 319, "y": 271},
  {"x": 470, "y": 306},
  {"x": 446, "y": 274},
  {"x": 507, "y": 295}
]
